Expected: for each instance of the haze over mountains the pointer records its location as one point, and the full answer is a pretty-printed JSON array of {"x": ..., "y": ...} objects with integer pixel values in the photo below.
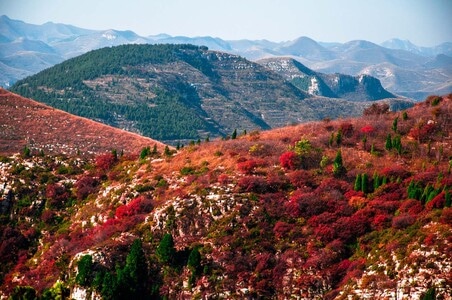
[
  {"x": 184, "y": 92},
  {"x": 403, "y": 68}
]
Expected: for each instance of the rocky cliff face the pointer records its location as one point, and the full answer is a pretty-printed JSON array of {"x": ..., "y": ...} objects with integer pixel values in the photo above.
[{"x": 353, "y": 88}]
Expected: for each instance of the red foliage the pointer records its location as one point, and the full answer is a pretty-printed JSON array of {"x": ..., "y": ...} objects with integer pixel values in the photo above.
[
  {"x": 104, "y": 162},
  {"x": 395, "y": 171},
  {"x": 290, "y": 160},
  {"x": 381, "y": 221},
  {"x": 353, "y": 193},
  {"x": 350, "y": 228},
  {"x": 223, "y": 179},
  {"x": 86, "y": 185},
  {"x": 368, "y": 129},
  {"x": 47, "y": 216},
  {"x": 346, "y": 128},
  {"x": 385, "y": 206},
  {"x": 323, "y": 218},
  {"x": 276, "y": 182},
  {"x": 402, "y": 221},
  {"x": 425, "y": 177},
  {"x": 330, "y": 184},
  {"x": 423, "y": 132},
  {"x": 306, "y": 204},
  {"x": 411, "y": 207},
  {"x": 247, "y": 166},
  {"x": 254, "y": 184},
  {"x": 430, "y": 239},
  {"x": 446, "y": 216},
  {"x": 136, "y": 206},
  {"x": 56, "y": 195},
  {"x": 437, "y": 202},
  {"x": 325, "y": 233},
  {"x": 281, "y": 229},
  {"x": 300, "y": 178}
]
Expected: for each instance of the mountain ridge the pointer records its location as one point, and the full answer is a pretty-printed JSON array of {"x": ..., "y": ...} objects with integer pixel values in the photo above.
[
  {"x": 181, "y": 92},
  {"x": 323, "y": 57}
]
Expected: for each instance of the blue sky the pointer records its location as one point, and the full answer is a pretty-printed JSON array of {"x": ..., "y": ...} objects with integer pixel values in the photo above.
[{"x": 423, "y": 22}]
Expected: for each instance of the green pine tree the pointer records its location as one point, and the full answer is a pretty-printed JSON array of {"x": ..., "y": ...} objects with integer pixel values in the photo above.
[
  {"x": 84, "y": 274},
  {"x": 339, "y": 137},
  {"x": 357, "y": 186},
  {"x": 165, "y": 251},
  {"x": 394, "y": 124},
  {"x": 376, "y": 180},
  {"x": 405, "y": 116},
  {"x": 136, "y": 271},
  {"x": 388, "y": 144},
  {"x": 338, "y": 167},
  {"x": 364, "y": 188},
  {"x": 194, "y": 261},
  {"x": 234, "y": 134}
]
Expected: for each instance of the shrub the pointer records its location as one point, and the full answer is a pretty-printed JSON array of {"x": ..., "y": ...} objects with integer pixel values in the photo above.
[
  {"x": 411, "y": 207},
  {"x": 247, "y": 167},
  {"x": 86, "y": 185},
  {"x": 105, "y": 162},
  {"x": 346, "y": 128},
  {"x": 446, "y": 216},
  {"x": 138, "y": 205},
  {"x": 253, "y": 184},
  {"x": 290, "y": 160},
  {"x": 423, "y": 131},
  {"x": 368, "y": 129},
  {"x": 402, "y": 221},
  {"x": 395, "y": 172},
  {"x": 437, "y": 201}
]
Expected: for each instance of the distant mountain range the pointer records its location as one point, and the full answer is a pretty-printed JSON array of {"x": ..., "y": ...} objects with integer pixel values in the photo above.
[
  {"x": 402, "y": 67},
  {"x": 180, "y": 92}
]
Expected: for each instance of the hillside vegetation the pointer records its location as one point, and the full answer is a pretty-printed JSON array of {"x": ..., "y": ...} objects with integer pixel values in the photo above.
[
  {"x": 353, "y": 208},
  {"x": 26, "y": 123},
  {"x": 183, "y": 92}
]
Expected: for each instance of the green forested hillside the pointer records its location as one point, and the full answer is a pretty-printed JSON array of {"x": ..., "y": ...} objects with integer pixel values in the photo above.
[{"x": 177, "y": 92}]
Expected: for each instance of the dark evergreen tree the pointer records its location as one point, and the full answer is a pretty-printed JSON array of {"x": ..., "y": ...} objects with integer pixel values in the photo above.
[
  {"x": 376, "y": 181},
  {"x": 405, "y": 116},
  {"x": 84, "y": 271},
  {"x": 357, "y": 186},
  {"x": 394, "y": 124},
  {"x": 165, "y": 251},
  {"x": 26, "y": 152},
  {"x": 339, "y": 137},
  {"x": 136, "y": 271},
  {"x": 364, "y": 187},
  {"x": 109, "y": 287},
  {"x": 338, "y": 167},
  {"x": 194, "y": 261},
  {"x": 234, "y": 134},
  {"x": 388, "y": 143}
]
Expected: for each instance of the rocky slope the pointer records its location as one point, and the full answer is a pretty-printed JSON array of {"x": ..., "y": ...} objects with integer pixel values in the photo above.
[
  {"x": 356, "y": 88},
  {"x": 325, "y": 210},
  {"x": 26, "y": 123}
]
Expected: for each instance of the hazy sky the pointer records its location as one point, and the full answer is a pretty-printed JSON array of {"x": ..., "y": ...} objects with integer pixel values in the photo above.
[{"x": 423, "y": 22}]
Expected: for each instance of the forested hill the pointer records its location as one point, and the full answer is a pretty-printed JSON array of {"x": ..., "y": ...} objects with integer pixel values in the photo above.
[{"x": 174, "y": 92}]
